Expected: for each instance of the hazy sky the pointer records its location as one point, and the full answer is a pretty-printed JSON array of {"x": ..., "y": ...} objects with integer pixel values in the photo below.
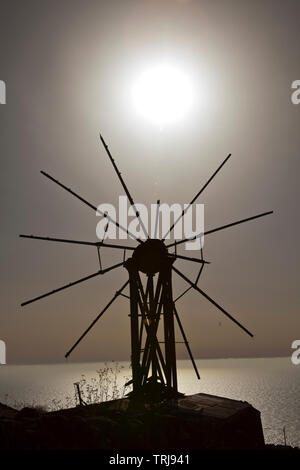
[{"x": 68, "y": 67}]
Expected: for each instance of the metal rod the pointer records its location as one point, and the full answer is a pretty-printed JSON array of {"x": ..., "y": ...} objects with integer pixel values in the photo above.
[
  {"x": 78, "y": 242},
  {"x": 99, "y": 257},
  {"x": 197, "y": 195},
  {"x": 195, "y": 260},
  {"x": 97, "y": 318},
  {"x": 201, "y": 267},
  {"x": 186, "y": 342},
  {"x": 170, "y": 333},
  {"x": 77, "y": 388},
  {"x": 238, "y": 222},
  {"x": 212, "y": 301},
  {"x": 124, "y": 186},
  {"x": 182, "y": 294},
  {"x": 106, "y": 228},
  {"x": 97, "y": 273},
  {"x": 126, "y": 296},
  {"x": 221, "y": 228},
  {"x": 150, "y": 333},
  {"x": 90, "y": 205},
  {"x": 197, "y": 278},
  {"x": 134, "y": 330}
]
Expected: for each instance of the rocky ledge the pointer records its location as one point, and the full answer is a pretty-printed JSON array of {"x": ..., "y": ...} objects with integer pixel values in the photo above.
[{"x": 191, "y": 422}]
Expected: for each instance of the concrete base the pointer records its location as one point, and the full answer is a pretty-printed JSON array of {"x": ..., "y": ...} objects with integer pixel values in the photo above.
[
  {"x": 197, "y": 421},
  {"x": 223, "y": 423}
]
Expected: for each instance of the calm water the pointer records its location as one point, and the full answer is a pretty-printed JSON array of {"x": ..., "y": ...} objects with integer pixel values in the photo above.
[{"x": 271, "y": 385}]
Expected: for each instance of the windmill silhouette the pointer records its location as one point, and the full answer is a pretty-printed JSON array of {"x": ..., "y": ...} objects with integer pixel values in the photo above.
[{"x": 154, "y": 371}]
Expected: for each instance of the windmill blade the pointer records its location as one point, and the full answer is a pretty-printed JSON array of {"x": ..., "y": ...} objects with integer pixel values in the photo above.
[
  {"x": 212, "y": 301},
  {"x": 238, "y": 222},
  {"x": 186, "y": 342},
  {"x": 97, "y": 273},
  {"x": 221, "y": 228},
  {"x": 197, "y": 195},
  {"x": 124, "y": 186},
  {"x": 91, "y": 205},
  {"x": 78, "y": 242},
  {"x": 187, "y": 258},
  {"x": 119, "y": 292}
]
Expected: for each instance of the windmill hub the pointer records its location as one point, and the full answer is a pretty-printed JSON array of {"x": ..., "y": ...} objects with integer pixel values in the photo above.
[{"x": 150, "y": 256}]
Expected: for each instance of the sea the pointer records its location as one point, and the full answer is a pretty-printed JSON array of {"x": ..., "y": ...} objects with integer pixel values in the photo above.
[{"x": 271, "y": 385}]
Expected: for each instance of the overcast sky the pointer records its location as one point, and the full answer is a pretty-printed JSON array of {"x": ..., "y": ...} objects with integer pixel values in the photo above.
[{"x": 68, "y": 67}]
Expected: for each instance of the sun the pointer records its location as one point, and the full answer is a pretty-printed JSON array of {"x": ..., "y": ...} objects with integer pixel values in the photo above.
[{"x": 162, "y": 94}]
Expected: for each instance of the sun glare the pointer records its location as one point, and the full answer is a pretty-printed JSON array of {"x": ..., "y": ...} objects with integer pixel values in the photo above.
[{"x": 162, "y": 94}]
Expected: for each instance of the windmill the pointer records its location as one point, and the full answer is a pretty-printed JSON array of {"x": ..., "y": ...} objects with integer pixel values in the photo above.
[{"x": 152, "y": 306}]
